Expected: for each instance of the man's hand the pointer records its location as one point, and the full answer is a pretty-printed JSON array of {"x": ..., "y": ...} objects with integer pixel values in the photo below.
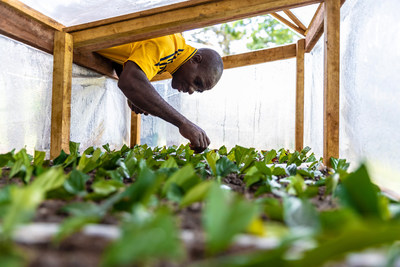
[
  {"x": 138, "y": 89},
  {"x": 198, "y": 138},
  {"x": 136, "y": 109}
]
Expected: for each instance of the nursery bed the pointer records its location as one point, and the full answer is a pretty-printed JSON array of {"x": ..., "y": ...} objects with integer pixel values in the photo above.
[{"x": 218, "y": 206}]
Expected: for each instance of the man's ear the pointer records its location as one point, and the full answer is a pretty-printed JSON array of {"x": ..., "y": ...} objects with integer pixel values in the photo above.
[{"x": 197, "y": 58}]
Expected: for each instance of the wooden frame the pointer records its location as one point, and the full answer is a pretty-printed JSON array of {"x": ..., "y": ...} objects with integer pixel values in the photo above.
[
  {"x": 171, "y": 19},
  {"x": 299, "y": 122},
  {"x": 52, "y": 37},
  {"x": 331, "y": 79},
  {"x": 16, "y": 18},
  {"x": 61, "y": 96}
]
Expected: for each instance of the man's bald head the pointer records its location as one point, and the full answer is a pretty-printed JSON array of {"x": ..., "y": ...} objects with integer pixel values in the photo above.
[
  {"x": 200, "y": 73},
  {"x": 211, "y": 64}
]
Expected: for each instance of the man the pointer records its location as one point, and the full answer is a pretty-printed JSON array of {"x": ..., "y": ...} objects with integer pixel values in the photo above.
[{"x": 192, "y": 71}]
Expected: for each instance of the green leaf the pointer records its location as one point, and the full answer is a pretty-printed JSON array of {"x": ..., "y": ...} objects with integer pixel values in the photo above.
[
  {"x": 196, "y": 193},
  {"x": 253, "y": 175},
  {"x": 76, "y": 183},
  {"x": 17, "y": 168},
  {"x": 225, "y": 216},
  {"x": 358, "y": 193},
  {"x": 294, "y": 158},
  {"x": 304, "y": 151},
  {"x": 140, "y": 191},
  {"x": 161, "y": 238},
  {"x": 339, "y": 165},
  {"x": 49, "y": 180},
  {"x": 296, "y": 185},
  {"x": 73, "y": 225},
  {"x": 185, "y": 178},
  {"x": 107, "y": 148},
  {"x": 74, "y": 148},
  {"x": 175, "y": 193},
  {"x": 10, "y": 255},
  {"x": 278, "y": 171},
  {"x": 39, "y": 158},
  {"x": 169, "y": 163},
  {"x": 300, "y": 215},
  {"x": 80, "y": 209},
  {"x": 115, "y": 175},
  {"x": 212, "y": 158},
  {"x": 61, "y": 158},
  {"x": 264, "y": 169},
  {"x": 223, "y": 151},
  {"x": 350, "y": 239},
  {"x": 224, "y": 166},
  {"x": 106, "y": 187},
  {"x": 5, "y": 158},
  {"x": 25, "y": 200},
  {"x": 291, "y": 169},
  {"x": 270, "y": 156},
  {"x": 88, "y": 163},
  {"x": 273, "y": 208},
  {"x": 244, "y": 157}
]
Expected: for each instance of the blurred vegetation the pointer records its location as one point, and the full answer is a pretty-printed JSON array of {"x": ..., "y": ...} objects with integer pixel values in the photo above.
[{"x": 314, "y": 214}]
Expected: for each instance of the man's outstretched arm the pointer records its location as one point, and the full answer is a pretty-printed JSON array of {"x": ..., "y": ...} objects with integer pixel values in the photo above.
[{"x": 138, "y": 89}]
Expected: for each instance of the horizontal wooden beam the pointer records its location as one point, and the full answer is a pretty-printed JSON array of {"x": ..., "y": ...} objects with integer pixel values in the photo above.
[
  {"x": 31, "y": 27},
  {"x": 33, "y": 14},
  {"x": 176, "y": 18},
  {"x": 250, "y": 58},
  {"x": 260, "y": 56},
  {"x": 316, "y": 28},
  {"x": 16, "y": 24}
]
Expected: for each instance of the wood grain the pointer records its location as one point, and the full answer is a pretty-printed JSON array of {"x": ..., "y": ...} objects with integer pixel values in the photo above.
[
  {"x": 331, "y": 79},
  {"x": 288, "y": 23},
  {"x": 135, "y": 129},
  {"x": 61, "y": 95},
  {"x": 299, "y": 124},
  {"x": 188, "y": 15}
]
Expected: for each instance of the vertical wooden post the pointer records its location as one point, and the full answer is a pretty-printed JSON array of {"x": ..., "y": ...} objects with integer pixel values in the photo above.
[
  {"x": 61, "y": 96},
  {"x": 299, "y": 125},
  {"x": 135, "y": 129},
  {"x": 331, "y": 79}
]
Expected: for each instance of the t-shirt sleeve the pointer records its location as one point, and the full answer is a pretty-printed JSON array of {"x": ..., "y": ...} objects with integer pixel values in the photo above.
[{"x": 146, "y": 54}]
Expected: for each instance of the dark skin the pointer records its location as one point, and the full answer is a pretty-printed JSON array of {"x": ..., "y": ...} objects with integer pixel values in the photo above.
[{"x": 143, "y": 98}]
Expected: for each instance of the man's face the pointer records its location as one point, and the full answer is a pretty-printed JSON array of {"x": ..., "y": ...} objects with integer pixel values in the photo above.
[{"x": 190, "y": 78}]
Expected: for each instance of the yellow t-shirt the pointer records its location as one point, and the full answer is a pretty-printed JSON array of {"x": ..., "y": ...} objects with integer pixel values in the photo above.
[{"x": 153, "y": 56}]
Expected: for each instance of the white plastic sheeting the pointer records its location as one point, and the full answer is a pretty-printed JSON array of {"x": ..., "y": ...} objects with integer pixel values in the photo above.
[
  {"x": 99, "y": 113},
  {"x": 369, "y": 87},
  {"x": 250, "y": 106},
  {"x": 73, "y": 12}
]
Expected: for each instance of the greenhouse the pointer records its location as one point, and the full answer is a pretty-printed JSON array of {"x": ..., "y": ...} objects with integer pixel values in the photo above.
[{"x": 301, "y": 167}]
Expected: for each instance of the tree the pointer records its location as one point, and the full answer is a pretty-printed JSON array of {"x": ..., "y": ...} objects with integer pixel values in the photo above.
[{"x": 259, "y": 32}]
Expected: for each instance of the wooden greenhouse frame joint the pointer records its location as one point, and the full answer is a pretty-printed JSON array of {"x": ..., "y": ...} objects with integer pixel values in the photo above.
[
  {"x": 299, "y": 122},
  {"x": 61, "y": 96},
  {"x": 331, "y": 79},
  {"x": 295, "y": 19},
  {"x": 316, "y": 28},
  {"x": 288, "y": 23}
]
